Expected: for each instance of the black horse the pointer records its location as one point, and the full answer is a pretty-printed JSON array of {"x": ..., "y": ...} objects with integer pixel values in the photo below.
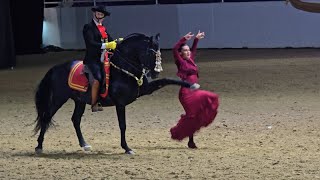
[{"x": 136, "y": 63}]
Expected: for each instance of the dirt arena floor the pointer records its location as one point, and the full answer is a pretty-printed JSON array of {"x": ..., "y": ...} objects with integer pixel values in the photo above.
[{"x": 267, "y": 127}]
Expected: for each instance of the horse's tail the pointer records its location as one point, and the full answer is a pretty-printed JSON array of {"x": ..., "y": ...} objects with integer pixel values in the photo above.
[{"x": 43, "y": 101}]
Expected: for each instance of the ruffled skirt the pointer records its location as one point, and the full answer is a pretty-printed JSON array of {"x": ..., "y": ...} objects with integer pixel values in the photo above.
[{"x": 201, "y": 109}]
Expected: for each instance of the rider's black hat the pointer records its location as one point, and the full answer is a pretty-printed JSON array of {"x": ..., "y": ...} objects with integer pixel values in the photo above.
[{"x": 101, "y": 9}]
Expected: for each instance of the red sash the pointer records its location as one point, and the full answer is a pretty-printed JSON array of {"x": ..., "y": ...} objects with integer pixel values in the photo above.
[
  {"x": 102, "y": 30},
  {"x": 104, "y": 36}
]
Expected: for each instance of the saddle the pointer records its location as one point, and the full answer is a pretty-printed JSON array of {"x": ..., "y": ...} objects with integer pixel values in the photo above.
[{"x": 78, "y": 80}]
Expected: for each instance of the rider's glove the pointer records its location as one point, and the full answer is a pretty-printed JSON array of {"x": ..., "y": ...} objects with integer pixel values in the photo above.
[{"x": 111, "y": 45}]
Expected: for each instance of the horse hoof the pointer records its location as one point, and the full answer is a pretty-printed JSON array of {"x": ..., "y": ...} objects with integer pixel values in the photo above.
[
  {"x": 87, "y": 148},
  {"x": 130, "y": 152},
  {"x": 38, "y": 151}
]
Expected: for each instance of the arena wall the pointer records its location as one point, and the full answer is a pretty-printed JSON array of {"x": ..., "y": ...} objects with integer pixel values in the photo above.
[{"x": 227, "y": 25}]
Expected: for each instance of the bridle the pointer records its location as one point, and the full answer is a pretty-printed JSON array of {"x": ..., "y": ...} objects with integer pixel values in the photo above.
[
  {"x": 158, "y": 68},
  {"x": 144, "y": 69}
]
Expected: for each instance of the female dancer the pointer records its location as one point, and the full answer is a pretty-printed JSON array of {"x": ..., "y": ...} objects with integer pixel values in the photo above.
[{"x": 200, "y": 106}]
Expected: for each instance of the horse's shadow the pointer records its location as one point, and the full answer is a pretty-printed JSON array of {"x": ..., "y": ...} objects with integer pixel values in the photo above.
[
  {"x": 97, "y": 154},
  {"x": 72, "y": 155}
]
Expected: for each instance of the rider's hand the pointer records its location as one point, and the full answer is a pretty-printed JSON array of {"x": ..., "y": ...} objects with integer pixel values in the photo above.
[
  {"x": 188, "y": 36},
  {"x": 119, "y": 39},
  {"x": 111, "y": 45},
  {"x": 200, "y": 35}
]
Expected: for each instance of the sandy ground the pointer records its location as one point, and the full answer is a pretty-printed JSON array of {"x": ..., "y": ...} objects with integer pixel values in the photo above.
[{"x": 267, "y": 126}]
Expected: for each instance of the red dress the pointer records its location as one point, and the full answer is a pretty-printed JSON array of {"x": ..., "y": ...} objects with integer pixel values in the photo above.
[{"x": 200, "y": 106}]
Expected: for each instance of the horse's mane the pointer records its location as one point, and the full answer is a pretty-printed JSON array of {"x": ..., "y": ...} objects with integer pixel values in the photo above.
[
  {"x": 134, "y": 35},
  {"x": 122, "y": 47}
]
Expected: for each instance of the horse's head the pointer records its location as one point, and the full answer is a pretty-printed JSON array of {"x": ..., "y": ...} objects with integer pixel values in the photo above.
[
  {"x": 153, "y": 57},
  {"x": 144, "y": 51}
]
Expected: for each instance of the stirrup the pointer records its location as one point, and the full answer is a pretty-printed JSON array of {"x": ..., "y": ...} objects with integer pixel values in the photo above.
[
  {"x": 100, "y": 108},
  {"x": 96, "y": 108}
]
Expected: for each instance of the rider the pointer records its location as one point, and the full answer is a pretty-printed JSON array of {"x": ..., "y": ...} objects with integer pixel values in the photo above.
[{"x": 97, "y": 41}]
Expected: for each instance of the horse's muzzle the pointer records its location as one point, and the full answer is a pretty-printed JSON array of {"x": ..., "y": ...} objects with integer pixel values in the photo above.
[{"x": 152, "y": 75}]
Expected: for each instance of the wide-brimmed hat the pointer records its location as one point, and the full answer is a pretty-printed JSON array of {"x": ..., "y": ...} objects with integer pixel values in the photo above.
[{"x": 101, "y": 9}]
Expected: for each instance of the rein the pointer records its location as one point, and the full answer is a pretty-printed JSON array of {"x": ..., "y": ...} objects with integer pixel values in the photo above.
[
  {"x": 130, "y": 63},
  {"x": 139, "y": 80}
]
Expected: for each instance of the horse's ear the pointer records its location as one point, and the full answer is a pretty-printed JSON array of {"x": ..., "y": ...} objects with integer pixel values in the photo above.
[{"x": 158, "y": 37}]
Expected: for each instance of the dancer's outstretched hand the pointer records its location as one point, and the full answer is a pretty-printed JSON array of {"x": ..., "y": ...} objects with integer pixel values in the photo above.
[
  {"x": 188, "y": 36},
  {"x": 200, "y": 35}
]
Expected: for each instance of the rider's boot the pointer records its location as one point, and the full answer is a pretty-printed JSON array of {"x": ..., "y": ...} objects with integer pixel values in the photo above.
[{"x": 94, "y": 97}]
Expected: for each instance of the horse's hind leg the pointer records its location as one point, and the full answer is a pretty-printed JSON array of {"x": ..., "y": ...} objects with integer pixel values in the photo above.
[
  {"x": 45, "y": 121},
  {"x": 39, "y": 148},
  {"x": 76, "y": 119}
]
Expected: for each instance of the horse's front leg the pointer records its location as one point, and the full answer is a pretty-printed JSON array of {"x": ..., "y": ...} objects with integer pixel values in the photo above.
[
  {"x": 76, "y": 119},
  {"x": 160, "y": 83},
  {"x": 121, "y": 113}
]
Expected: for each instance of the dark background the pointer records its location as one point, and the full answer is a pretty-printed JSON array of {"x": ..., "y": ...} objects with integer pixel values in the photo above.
[{"x": 20, "y": 29}]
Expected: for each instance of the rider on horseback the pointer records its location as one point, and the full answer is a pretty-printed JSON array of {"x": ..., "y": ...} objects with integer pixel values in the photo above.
[{"x": 97, "y": 41}]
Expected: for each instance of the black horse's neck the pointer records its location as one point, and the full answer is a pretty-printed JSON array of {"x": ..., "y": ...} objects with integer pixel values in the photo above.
[
  {"x": 127, "y": 53},
  {"x": 134, "y": 35}
]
